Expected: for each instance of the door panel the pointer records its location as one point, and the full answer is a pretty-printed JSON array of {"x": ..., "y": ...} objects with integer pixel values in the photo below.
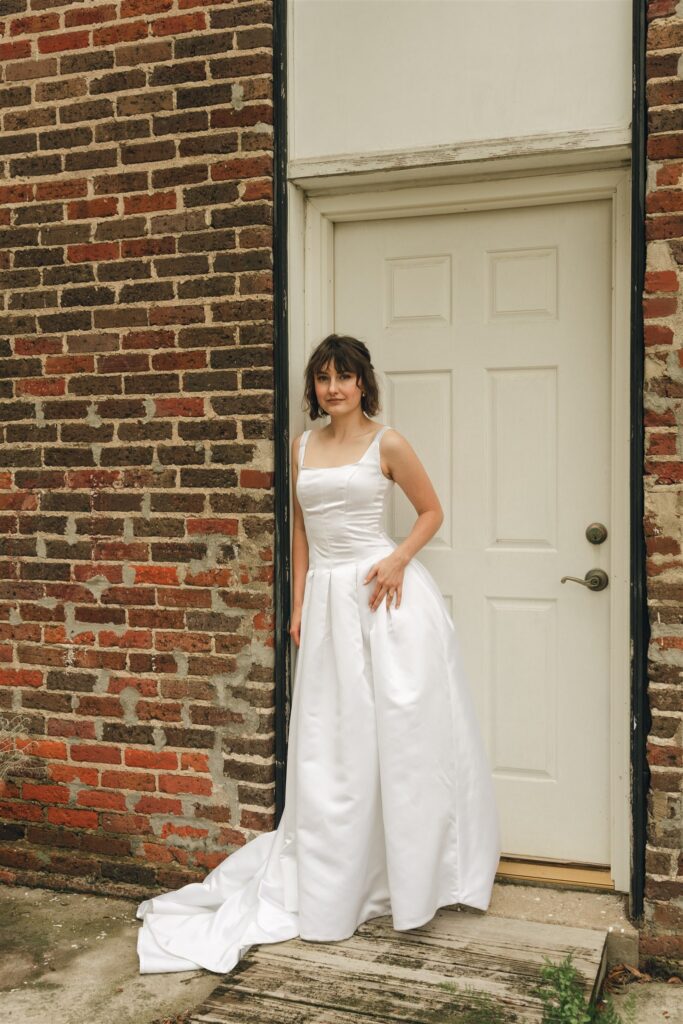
[{"x": 492, "y": 334}]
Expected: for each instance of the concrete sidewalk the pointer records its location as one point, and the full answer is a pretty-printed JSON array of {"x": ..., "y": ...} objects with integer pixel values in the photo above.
[{"x": 68, "y": 958}]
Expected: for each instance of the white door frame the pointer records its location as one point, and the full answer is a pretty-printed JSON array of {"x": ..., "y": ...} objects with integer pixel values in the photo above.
[{"x": 311, "y": 317}]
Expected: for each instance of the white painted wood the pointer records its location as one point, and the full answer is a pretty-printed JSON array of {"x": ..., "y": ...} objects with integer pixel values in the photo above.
[
  {"x": 468, "y": 372},
  {"x": 492, "y": 157},
  {"x": 372, "y": 75}
]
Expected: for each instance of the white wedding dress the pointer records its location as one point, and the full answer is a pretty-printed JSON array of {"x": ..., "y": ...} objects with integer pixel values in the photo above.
[{"x": 389, "y": 801}]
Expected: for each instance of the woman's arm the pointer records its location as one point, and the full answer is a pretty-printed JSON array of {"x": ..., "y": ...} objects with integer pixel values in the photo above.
[
  {"x": 408, "y": 472},
  {"x": 299, "y": 539}
]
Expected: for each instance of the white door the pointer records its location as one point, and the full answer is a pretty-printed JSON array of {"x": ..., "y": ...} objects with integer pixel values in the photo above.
[{"x": 492, "y": 332}]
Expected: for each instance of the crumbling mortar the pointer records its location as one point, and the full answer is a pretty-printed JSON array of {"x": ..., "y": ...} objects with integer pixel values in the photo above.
[
  {"x": 97, "y": 586},
  {"x": 159, "y": 737}
]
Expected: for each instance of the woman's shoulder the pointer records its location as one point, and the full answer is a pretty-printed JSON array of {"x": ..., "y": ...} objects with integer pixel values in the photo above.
[{"x": 391, "y": 437}]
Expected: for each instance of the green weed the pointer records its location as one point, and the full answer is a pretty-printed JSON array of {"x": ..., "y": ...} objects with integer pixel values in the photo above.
[{"x": 561, "y": 993}]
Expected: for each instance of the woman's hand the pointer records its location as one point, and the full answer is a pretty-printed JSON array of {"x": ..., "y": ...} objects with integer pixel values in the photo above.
[
  {"x": 295, "y": 626},
  {"x": 389, "y": 572}
]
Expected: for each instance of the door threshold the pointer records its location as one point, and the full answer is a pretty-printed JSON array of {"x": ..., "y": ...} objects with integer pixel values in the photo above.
[{"x": 555, "y": 873}]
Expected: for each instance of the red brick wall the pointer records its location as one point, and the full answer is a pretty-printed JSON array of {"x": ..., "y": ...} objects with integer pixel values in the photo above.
[
  {"x": 663, "y": 931},
  {"x": 136, "y": 401}
]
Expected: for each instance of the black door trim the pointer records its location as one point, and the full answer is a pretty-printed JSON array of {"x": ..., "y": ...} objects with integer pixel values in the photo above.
[
  {"x": 281, "y": 558},
  {"x": 640, "y": 718}
]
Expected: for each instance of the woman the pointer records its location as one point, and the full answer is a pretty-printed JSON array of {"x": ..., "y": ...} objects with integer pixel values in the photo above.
[{"x": 389, "y": 804}]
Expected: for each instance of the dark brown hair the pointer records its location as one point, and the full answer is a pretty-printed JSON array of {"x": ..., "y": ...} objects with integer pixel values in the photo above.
[{"x": 348, "y": 355}]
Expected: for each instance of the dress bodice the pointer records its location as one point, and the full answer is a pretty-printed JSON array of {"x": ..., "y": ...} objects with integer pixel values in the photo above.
[{"x": 344, "y": 506}]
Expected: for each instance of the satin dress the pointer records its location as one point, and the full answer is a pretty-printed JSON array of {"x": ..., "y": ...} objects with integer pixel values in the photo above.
[{"x": 389, "y": 799}]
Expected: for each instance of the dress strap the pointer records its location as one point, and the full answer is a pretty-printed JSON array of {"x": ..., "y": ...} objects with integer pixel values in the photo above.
[
  {"x": 378, "y": 436},
  {"x": 302, "y": 445},
  {"x": 375, "y": 444}
]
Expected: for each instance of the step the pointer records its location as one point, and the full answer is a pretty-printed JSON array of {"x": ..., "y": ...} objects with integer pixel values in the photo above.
[
  {"x": 553, "y": 904},
  {"x": 428, "y": 975}
]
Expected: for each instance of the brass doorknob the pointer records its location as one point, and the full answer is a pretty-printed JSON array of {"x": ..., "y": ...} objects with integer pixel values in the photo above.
[
  {"x": 596, "y": 533},
  {"x": 595, "y": 579}
]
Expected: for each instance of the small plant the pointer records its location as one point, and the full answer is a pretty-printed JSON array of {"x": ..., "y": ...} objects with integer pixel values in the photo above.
[
  {"x": 562, "y": 994},
  {"x": 12, "y": 756}
]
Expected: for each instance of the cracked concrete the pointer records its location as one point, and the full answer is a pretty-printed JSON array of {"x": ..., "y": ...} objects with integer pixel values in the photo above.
[{"x": 77, "y": 954}]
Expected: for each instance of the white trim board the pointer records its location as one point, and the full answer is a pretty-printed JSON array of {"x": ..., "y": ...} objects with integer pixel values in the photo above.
[{"x": 476, "y": 157}]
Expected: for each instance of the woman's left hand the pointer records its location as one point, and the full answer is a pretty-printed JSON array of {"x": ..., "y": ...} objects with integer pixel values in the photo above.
[{"x": 389, "y": 572}]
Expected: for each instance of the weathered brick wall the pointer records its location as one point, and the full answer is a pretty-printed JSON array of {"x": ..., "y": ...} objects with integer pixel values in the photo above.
[
  {"x": 136, "y": 401},
  {"x": 663, "y": 932}
]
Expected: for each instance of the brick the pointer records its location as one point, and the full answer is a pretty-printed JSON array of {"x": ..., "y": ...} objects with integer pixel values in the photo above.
[
  {"x": 203, "y": 96},
  {"x": 135, "y": 8},
  {"x": 90, "y": 110},
  {"x": 214, "y": 142},
  {"x": 118, "y": 81},
  {"x": 125, "y": 32},
  {"x": 71, "y": 189},
  {"x": 150, "y": 203},
  {"x": 173, "y": 26},
  {"x": 168, "y": 177},
  {"x": 70, "y": 818},
  {"x": 18, "y": 96},
  {"x": 241, "y": 65},
  {"x": 141, "y": 781},
  {"x": 134, "y": 181},
  {"x": 664, "y": 146},
  {"x": 15, "y": 50},
  {"x": 66, "y": 139},
  {"x": 662, "y": 281},
  {"x": 148, "y": 152},
  {"x": 86, "y": 208},
  {"x": 20, "y": 677},
  {"x": 124, "y": 227},
  {"x": 664, "y": 35},
  {"x": 90, "y": 15},
  {"x": 174, "y": 124},
  {"x": 241, "y": 168},
  {"x": 211, "y": 195},
  {"x": 64, "y": 41},
  {"x": 23, "y": 71},
  {"x": 136, "y": 255},
  {"x": 36, "y": 117},
  {"x": 144, "y": 53},
  {"x": 234, "y": 17},
  {"x": 28, "y": 167},
  {"x": 100, "y": 251},
  {"x": 76, "y": 63},
  {"x": 177, "y": 74},
  {"x": 116, "y": 131},
  {"x": 185, "y": 784},
  {"x": 206, "y": 43}
]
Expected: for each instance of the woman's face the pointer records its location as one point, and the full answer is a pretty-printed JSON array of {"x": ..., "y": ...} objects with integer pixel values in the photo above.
[{"x": 336, "y": 391}]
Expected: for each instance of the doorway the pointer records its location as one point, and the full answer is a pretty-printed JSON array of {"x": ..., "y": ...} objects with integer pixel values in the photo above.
[{"x": 497, "y": 313}]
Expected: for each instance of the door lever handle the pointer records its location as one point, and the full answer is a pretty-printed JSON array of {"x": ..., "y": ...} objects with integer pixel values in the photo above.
[{"x": 595, "y": 579}]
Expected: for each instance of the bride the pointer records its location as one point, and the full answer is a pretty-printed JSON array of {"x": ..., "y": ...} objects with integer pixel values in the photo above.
[{"x": 389, "y": 802}]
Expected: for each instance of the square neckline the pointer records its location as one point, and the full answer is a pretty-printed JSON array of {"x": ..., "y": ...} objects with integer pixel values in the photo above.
[{"x": 344, "y": 465}]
